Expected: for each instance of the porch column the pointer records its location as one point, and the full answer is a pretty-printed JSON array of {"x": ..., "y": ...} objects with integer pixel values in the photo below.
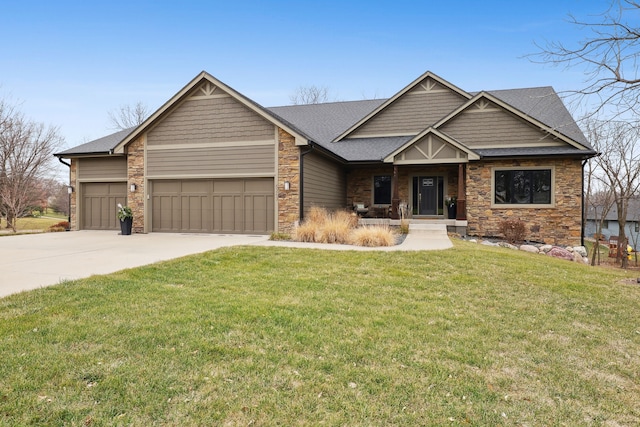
[
  {"x": 461, "y": 206},
  {"x": 395, "y": 196}
]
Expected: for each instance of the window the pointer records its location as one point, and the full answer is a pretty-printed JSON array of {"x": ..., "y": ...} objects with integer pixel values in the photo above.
[
  {"x": 522, "y": 187},
  {"x": 382, "y": 190}
]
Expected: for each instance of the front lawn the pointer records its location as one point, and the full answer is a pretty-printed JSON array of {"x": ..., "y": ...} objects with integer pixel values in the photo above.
[{"x": 274, "y": 336}]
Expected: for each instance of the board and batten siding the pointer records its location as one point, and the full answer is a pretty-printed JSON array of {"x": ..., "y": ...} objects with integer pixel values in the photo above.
[
  {"x": 102, "y": 168},
  {"x": 413, "y": 112},
  {"x": 489, "y": 126},
  {"x": 324, "y": 183}
]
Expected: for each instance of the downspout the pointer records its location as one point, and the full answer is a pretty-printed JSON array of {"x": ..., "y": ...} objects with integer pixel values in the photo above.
[
  {"x": 583, "y": 207},
  {"x": 301, "y": 180},
  {"x": 69, "y": 166}
]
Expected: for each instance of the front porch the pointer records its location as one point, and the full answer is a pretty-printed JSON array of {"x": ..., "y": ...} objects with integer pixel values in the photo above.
[{"x": 453, "y": 225}]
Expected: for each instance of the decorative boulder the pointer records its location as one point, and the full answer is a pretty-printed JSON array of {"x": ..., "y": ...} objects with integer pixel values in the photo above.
[
  {"x": 529, "y": 248},
  {"x": 581, "y": 250},
  {"x": 507, "y": 245},
  {"x": 545, "y": 248},
  {"x": 488, "y": 243},
  {"x": 561, "y": 253}
]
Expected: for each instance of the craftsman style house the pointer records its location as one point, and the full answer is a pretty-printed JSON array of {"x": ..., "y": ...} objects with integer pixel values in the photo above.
[{"x": 211, "y": 160}]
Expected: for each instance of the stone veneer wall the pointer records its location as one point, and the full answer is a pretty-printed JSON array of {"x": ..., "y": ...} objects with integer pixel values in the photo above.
[
  {"x": 74, "y": 202},
  {"x": 360, "y": 181},
  {"x": 135, "y": 170},
  {"x": 560, "y": 225},
  {"x": 288, "y": 170}
]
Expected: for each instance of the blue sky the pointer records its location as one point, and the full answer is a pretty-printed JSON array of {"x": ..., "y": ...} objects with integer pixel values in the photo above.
[{"x": 71, "y": 62}]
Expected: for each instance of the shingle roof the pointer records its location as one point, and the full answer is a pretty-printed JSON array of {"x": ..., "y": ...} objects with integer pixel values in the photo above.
[
  {"x": 322, "y": 123},
  {"x": 633, "y": 211},
  {"x": 102, "y": 145}
]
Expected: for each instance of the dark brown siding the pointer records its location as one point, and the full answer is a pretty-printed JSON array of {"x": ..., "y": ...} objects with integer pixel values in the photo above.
[
  {"x": 324, "y": 183},
  {"x": 413, "y": 112},
  {"x": 215, "y": 161},
  {"x": 102, "y": 168},
  {"x": 494, "y": 127},
  {"x": 210, "y": 121}
]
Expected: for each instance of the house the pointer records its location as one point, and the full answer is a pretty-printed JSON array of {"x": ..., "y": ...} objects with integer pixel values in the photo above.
[
  {"x": 610, "y": 225},
  {"x": 211, "y": 160}
]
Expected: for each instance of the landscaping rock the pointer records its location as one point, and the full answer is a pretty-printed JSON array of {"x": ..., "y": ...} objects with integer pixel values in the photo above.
[
  {"x": 581, "y": 250},
  {"x": 558, "y": 252},
  {"x": 569, "y": 249},
  {"x": 529, "y": 248},
  {"x": 507, "y": 245},
  {"x": 545, "y": 248},
  {"x": 488, "y": 243}
]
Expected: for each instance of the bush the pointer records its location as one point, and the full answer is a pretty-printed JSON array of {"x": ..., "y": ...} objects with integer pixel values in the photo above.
[
  {"x": 373, "y": 236},
  {"x": 513, "y": 230},
  {"x": 336, "y": 229},
  {"x": 306, "y": 232},
  {"x": 60, "y": 226}
]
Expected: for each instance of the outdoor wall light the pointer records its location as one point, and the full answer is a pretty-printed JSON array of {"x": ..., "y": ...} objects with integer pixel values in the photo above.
[
  {"x": 69, "y": 189},
  {"x": 133, "y": 188},
  {"x": 287, "y": 185}
]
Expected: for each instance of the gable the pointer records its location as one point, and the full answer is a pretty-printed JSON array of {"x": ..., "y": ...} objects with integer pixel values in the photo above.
[
  {"x": 431, "y": 147},
  {"x": 210, "y": 115},
  {"x": 415, "y": 110},
  {"x": 485, "y": 124}
]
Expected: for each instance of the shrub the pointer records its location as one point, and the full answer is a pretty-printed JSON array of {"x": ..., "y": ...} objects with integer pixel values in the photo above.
[
  {"x": 373, "y": 236},
  {"x": 513, "y": 230},
  {"x": 404, "y": 227},
  {"x": 317, "y": 215},
  {"x": 306, "y": 232},
  {"x": 336, "y": 229},
  {"x": 60, "y": 226},
  {"x": 279, "y": 236}
]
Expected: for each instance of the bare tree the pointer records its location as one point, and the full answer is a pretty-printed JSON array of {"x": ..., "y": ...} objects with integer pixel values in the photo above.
[
  {"x": 618, "y": 167},
  {"x": 608, "y": 55},
  {"x": 26, "y": 157},
  {"x": 310, "y": 95},
  {"x": 128, "y": 116}
]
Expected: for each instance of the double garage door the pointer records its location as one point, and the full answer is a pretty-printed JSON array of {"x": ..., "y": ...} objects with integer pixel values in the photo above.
[{"x": 212, "y": 205}]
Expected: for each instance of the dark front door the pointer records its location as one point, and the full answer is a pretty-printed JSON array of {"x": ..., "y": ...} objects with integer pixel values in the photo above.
[{"x": 427, "y": 195}]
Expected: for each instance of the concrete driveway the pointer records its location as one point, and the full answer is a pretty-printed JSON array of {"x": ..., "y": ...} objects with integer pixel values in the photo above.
[{"x": 35, "y": 260}]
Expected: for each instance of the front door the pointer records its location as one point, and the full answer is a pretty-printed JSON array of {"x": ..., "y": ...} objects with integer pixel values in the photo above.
[{"x": 427, "y": 195}]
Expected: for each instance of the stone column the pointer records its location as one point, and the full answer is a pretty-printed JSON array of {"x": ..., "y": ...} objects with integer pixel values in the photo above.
[
  {"x": 74, "y": 196},
  {"x": 135, "y": 171},
  {"x": 395, "y": 195},
  {"x": 461, "y": 203},
  {"x": 288, "y": 201}
]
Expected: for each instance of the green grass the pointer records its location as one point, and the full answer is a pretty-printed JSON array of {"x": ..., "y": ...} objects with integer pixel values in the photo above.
[
  {"x": 274, "y": 336},
  {"x": 32, "y": 224}
]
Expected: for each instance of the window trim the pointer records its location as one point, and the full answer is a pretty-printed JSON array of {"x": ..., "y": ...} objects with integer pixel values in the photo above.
[{"x": 495, "y": 205}]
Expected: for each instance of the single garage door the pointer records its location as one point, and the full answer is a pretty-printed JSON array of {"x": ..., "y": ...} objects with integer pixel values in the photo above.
[
  {"x": 213, "y": 205},
  {"x": 99, "y": 204}
]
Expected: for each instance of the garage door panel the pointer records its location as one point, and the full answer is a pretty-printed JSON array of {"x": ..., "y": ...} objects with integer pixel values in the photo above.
[
  {"x": 216, "y": 206},
  {"x": 99, "y": 205}
]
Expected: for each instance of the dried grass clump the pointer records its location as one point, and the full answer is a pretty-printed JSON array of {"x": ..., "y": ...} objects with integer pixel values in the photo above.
[
  {"x": 306, "y": 232},
  {"x": 317, "y": 215},
  {"x": 373, "y": 236},
  {"x": 336, "y": 229}
]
